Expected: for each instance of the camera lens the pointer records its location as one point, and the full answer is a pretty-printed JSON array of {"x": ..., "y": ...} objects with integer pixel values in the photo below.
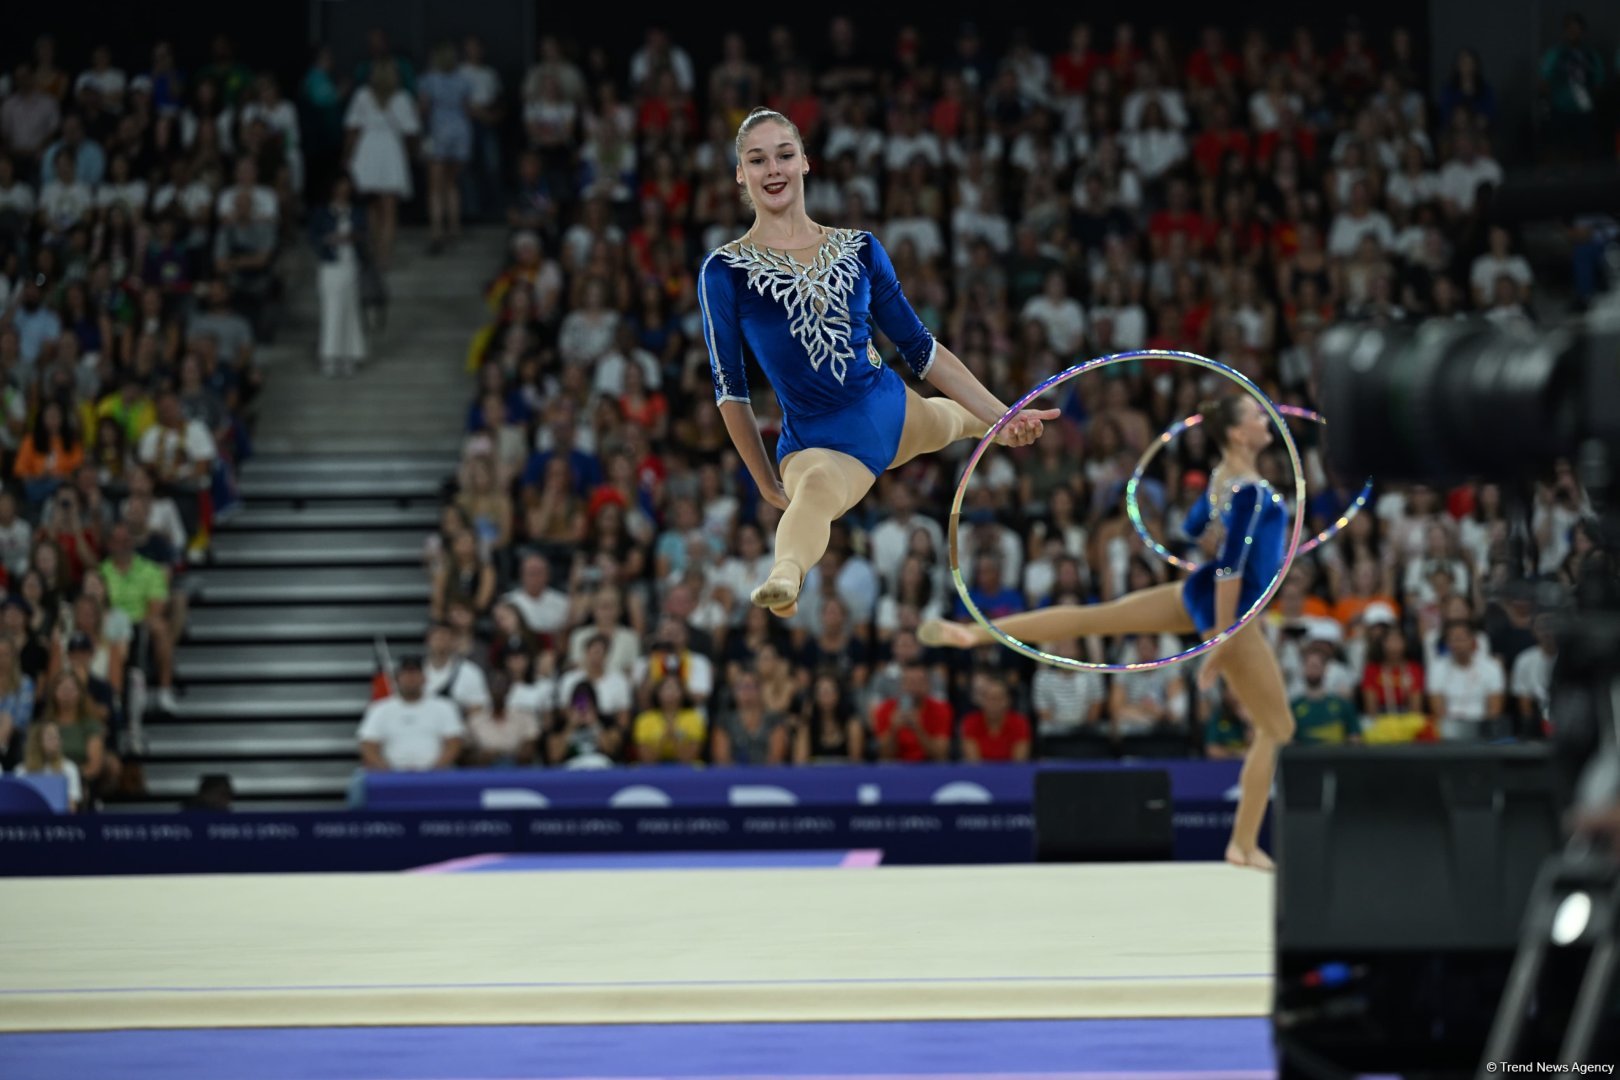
[{"x": 1450, "y": 400}]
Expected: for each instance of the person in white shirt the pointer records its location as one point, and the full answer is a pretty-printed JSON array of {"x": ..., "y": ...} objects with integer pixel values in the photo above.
[
  {"x": 413, "y": 731},
  {"x": 669, "y": 655},
  {"x": 891, "y": 539},
  {"x": 1463, "y": 175},
  {"x": 544, "y": 609},
  {"x": 452, "y": 677},
  {"x": 1465, "y": 686},
  {"x": 612, "y": 689},
  {"x": 607, "y": 611},
  {"x": 1500, "y": 262},
  {"x": 659, "y": 52},
  {"x": 265, "y": 206},
  {"x": 1059, "y": 314},
  {"x": 1532, "y": 671},
  {"x": 103, "y": 78},
  {"x": 1359, "y": 219}
]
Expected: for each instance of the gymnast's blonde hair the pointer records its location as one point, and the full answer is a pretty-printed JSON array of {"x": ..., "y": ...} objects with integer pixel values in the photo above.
[{"x": 752, "y": 121}]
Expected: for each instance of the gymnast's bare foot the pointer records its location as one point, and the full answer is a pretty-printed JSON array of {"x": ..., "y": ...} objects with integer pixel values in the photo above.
[
  {"x": 939, "y": 634},
  {"x": 1254, "y": 859}
]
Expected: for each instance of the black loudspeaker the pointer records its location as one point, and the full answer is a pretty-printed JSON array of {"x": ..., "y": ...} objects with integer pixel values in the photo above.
[
  {"x": 1403, "y": 875},
  {"x": 1103, "y": 815}
]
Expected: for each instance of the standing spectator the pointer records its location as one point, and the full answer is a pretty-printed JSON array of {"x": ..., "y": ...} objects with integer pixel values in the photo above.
[
  {"x": 484, "y": 107},
  {"x": 380, "y": 119},
  {"x": 913, "y": 727},
  {"x": 1466, "y": 686},
  {"x": 339, "y": 232},
  {"x": 446, "y": 97},
  {"x": 411, "y": 731},
  {"x": 672, "y": 731},
  {"x": 1571, "y": 76},
  {"x": 995, "y": 732}
]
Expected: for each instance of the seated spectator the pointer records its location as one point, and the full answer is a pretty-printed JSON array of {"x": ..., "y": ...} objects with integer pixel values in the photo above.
[
  {"x": 83, "y": 737},
  {"x": 45, "y": 756},
  {"x": 1497, "y": 263},
  {"x": 139, "y": 588},
  {"x": 16, "y": 537},
  {"x": 232, "y": 336},
  {"x": 1066, "y": 700},
  {"x": 50, "y": 455},
  {"x": 464, "y": 576},
  {"x": 412, "y": 730},
  {"x": 1466, "y": 687},
  {"x": 747, "y": 733},
  {"x": 1147, "y": 701},
  {"x": 1321, "y": 716},
  {"x": 149, "y": 543},
  {"x": 16, "y": 703},
  {"x": 913, "y": 727},
  {"x": 244, "y": 257},
  {"x": 990, "y": 593},
  {"x": 671, "y": 656},
  {"x": 995, "y": 732},
  {"x": 507, "y": 733},
  {"x": 581, "y": 737},
  {"x": 452, "y": 676},
  {"x": 181, "y": 455},
  {"x": 611, "y": 692},
  {"x": 1531, "y": 683},
  {"x": 544, "y": 609},
  {"x": 672, "y": 731},
  {"x": 1226, "y": 732},
  {"x": 624, "y": 646}
]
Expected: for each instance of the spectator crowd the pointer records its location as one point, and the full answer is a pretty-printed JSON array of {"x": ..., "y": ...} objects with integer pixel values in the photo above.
[
  {"x": 143, "y": 209},
  {"x": 1235, "y": 194}
]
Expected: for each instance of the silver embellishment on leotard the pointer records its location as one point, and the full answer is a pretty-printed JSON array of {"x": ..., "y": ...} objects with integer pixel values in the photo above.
[{"x": 816, "y": 297}]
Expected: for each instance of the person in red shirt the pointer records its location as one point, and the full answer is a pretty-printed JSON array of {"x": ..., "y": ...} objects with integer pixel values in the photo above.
[
  {"x": 1218, "y": 140},
  {"x": 1211, "y": 60},
  {"x": 995, "y": 733},
  {"x": 1072, "y": 71},
  {"x": 1177, "y": 217},
  {"x": 913, "y": 727}
]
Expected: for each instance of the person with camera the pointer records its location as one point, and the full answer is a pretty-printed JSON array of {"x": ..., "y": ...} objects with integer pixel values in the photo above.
[{"x": 912, "y": 726}]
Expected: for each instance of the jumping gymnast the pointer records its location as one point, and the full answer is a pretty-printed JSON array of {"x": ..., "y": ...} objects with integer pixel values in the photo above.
[
  {"x": 800, "y": 294},
  {"x": 1209, "y": 601}
]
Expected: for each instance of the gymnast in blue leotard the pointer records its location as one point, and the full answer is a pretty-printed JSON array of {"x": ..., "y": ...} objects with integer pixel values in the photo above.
[
  {"x": 803, "y": 297},
  {"x": 1210, "y": 600}
]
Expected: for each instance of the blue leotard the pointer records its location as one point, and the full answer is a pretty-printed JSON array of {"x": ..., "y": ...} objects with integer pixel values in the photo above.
[
  {"x": 809, "y": 327},
  {"x": 1256, "y": 522}
]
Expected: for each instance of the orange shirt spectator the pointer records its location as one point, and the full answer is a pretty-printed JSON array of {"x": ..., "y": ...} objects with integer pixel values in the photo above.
[{"x": 58, "y": 463}]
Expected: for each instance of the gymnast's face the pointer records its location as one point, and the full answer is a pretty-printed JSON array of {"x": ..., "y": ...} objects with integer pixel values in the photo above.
[
  {"x": 772, "y": 167},
  {"x": 1252, "y": 431}
]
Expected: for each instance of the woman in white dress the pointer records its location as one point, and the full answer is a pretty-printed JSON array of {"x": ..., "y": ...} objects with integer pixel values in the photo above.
[
  {"x": 338, "y": 230},
  {"x": 381, "y": 118}
]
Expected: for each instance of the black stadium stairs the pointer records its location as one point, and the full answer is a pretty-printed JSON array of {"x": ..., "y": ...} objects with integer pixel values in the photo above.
[{"x": 275, "y": 669}]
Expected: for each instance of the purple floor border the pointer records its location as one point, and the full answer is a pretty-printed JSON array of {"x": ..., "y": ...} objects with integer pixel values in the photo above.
[{"x": 1204, "y": 1049}]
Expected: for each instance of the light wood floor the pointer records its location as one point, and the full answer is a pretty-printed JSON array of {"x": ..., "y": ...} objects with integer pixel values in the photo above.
[{"x": 633, "y": 946}]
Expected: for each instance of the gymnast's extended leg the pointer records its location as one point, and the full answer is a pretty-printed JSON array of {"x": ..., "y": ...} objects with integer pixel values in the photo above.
[
  {"x": 822, "y": 486},
  {"x": 932, "y": 424},
  {"x": 1148, "y": 611},
  {"x": 1250, "y": 668}
]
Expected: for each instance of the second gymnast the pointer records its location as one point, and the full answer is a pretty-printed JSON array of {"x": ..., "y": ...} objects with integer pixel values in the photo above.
[{"x": 1210, "y": 600}]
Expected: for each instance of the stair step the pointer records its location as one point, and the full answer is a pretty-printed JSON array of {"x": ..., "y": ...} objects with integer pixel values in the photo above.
[
  {"x": 178, "y": 780},
  {"x": 367, "y": 464},
  {"x": 314, "y": 738},
  {"x": 314, "y": 488},
  {"x": 333, "y": 515},
  {"x": 251, "y": 663},
  {"x": 317, "y": 586},
  {"x": 252, "y": 701},
  {"x": 314, "y": 622},
  {"x": 317, "y": 548}
]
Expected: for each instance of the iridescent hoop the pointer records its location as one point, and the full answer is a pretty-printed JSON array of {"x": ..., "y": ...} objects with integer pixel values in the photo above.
[
  {"x": 1062, "y": 377},
  {"x": 1133, "y": 506}
]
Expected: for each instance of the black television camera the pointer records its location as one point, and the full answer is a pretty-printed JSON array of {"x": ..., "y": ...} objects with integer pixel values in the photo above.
[{"x": 1438, "y": 404}]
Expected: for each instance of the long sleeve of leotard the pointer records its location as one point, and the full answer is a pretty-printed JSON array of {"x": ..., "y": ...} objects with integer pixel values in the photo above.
[
  {"x": 717, "y": 300},
  {"x": 894, "y": 315},
  {"x": 1242, "y": 523},
  {"x": 1197, "y": 517}
]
